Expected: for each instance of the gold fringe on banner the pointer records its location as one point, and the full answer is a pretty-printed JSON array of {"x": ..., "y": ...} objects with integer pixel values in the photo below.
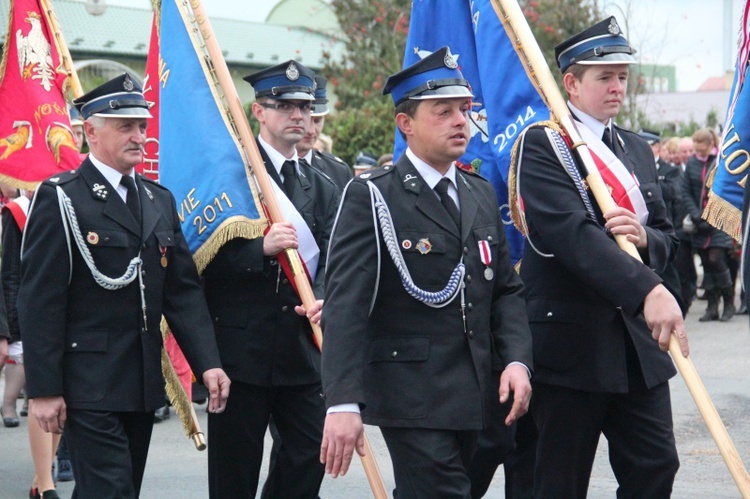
[
  {"x": 182, "y": 404},
  {"x": 516, "y": 215},
  {"x": 231, "y": 228},
  {"x": 724, "y": 216}
]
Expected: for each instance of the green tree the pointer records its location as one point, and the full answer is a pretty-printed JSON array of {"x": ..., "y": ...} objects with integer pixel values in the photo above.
[
  {"x": 375, "y": 40},
  {"x": 376, "y": 32}
]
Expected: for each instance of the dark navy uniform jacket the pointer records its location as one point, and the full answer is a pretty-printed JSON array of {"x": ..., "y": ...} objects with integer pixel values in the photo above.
[
  {"x": 586, "y": 299},
  {"x": 405, "y": 363},
  {"x": 90, "y": 344}
]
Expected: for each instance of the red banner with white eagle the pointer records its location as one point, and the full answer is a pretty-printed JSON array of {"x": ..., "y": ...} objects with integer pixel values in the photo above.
[{"x": 36, "y": 140}]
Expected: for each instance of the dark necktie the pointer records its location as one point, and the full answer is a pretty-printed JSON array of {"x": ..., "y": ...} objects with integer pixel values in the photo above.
[
  {"x": 607, "y": 138},
  {"x": 132, "y": 198},
  {"x": 450, "y": 206},
  {"x": 289, "y": 172}
]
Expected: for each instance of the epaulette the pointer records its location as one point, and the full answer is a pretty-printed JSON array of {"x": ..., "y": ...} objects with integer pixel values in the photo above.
[
  {"x": 331, "y": 157},
  {"x": 61, "y": 178},
  {"x": 376, "y": 173}
]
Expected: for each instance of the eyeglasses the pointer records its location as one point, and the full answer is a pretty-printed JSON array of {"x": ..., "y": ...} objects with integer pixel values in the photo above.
[{"x": 286, "y": 107}]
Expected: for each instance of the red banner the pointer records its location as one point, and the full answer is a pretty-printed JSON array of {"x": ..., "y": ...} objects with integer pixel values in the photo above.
[
  {"x": 150, "y": 165},
  {"x": 36, "y": 140}
]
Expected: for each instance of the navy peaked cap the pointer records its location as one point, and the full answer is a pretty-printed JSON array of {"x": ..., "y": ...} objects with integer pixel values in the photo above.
[
  {"x": 602, "y": 43},
  {"x": 435, "y": 77},
  {"x": 286, "y": 81},
  {"x": 120, "y": 97}
]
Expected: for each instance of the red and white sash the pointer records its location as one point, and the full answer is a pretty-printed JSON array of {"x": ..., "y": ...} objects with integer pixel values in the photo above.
[
  {"x": 622, "y": 184},
  {"x": 19, "y": 208}
]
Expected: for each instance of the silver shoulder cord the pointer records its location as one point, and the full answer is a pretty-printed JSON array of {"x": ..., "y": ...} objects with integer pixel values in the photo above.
[
  {"x": 438, "y": 299},
  {"x": 565, "y": 158},
  {"x": 70, "y": 221}
]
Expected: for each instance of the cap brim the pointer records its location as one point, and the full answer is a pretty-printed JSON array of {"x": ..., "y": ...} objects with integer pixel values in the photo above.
[
  {"x": 609, "y": 59},
  {"x": 293, "y": 96},
  {"x": 448, "y": 92},
  {"x": 319, "y": 110},
  {"x": 126, "y": 112}
]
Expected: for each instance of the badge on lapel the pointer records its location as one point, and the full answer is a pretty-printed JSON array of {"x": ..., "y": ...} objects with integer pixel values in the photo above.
[
  {"x": 424, "y": 246},
  {"x": 100, "y": 191}
]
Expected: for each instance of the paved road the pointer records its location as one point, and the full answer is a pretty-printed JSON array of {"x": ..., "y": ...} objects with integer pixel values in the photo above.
[{"x": 720, "y": 352}]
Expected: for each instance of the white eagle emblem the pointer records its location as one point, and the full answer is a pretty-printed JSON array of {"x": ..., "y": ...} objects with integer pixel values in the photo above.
[{"x": 34, "y": 53}]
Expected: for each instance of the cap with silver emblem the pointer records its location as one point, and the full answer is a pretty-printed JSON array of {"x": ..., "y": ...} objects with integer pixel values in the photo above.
[
  {"x": 286, "y": 81},
  {"x": 120, "y": 97},
  {"x": 435, "y": 77},
  {"x": 602, "y": 43}
]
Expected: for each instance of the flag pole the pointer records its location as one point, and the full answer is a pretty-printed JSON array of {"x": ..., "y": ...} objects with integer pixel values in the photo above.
[
  {"x": 531, "y": 57},
  {"x": 62, "y": 47},
  {"x": 247, "y": 140}
]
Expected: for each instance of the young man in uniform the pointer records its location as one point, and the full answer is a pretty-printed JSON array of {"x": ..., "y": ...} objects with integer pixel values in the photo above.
[
  {"x": 265, "y": 340},
  {"x": 417, "y": 301},
  {"x": 601, "y": 320}
]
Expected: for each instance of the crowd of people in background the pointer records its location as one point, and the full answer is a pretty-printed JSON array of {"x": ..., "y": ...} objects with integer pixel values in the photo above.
[{"x": 685, "y": 167}]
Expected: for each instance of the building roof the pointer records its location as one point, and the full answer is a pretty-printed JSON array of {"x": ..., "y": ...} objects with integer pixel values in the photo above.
[
  {"x": 673, "y": 107},
  {"x": 125, "y": 32},
  {"x": 313, "y": 13}
]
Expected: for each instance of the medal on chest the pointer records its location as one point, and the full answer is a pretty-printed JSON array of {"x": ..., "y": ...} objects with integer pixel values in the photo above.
[
  {"x": 486, "y": 256},
  {"x": 163, "y": 251}
]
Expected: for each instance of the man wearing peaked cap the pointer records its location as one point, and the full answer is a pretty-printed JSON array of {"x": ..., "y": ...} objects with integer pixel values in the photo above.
[
  {"x": 94, "y": 287},
  {"x": 330, "y": 165},
  {"x": 419, "y": 290},
  {"x": 601, "y": 320},
  {"x": 265, "y": 340}
]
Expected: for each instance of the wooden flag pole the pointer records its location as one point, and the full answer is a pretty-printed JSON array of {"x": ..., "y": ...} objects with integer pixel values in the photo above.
[
  {"x": 264, "y": 181},
  {"x": 62, "y": 47},
  {"x": 531, "y": 57}
]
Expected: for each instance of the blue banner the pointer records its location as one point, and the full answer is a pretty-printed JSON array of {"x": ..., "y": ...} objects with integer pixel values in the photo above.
[
  {"x": 505, "y": 102},
  {"x": 200, "y": 158},
  {"x": 724, "y": 208}
]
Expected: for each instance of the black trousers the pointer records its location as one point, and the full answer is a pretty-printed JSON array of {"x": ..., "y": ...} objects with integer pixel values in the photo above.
[
  {"x": 236, "y": 437},
  {"x": 512, "y": 446},
  {"x": 430, "y": 463},
  {"x": 108, "y": 451},
  {"x": 637, "y": 425}
]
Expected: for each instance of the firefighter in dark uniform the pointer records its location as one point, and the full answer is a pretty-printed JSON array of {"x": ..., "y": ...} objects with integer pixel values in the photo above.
[
  {"x": 417, "y": 300},
  {"x": 103, "y": 259},
  {"x": 265, "y": 340},
  {"x": 595, "y": 312}
]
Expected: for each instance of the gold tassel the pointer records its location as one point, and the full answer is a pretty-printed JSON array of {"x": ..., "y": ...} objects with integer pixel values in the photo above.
[
  {"x": 182, "y": 404},
  {"x": 724, "y": 216}
]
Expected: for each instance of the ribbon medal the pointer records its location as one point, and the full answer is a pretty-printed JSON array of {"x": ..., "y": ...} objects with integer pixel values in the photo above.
[
  {"x": 486, "y": 256},
  {"x": 163, "y": 251}
]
